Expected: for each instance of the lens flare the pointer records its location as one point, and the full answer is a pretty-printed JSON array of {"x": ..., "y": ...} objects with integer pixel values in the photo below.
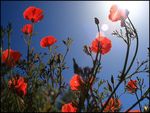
[{"x": 104, "y": 27}]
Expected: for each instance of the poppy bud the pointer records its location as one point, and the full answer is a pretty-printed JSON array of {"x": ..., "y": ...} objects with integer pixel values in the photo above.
[
  {"x": 146, "y": 108},
  {"x": 86, "y": 50},
  {"x": 9, "y": 27},
  {"x": 96, "y": 21}
]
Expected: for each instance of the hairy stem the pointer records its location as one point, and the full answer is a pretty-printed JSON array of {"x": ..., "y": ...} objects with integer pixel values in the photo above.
[
  {"x": 137, "y": 45},
  {"x": 123, "y": 71},
  {"x": 28, "y": 50},
  {"x": 8, "y": 45},
  {"x": 134, "y": 105},
  {"x": 138, "y": 100},
  {"x": 93, "y": 72},
  {"x": 60, "y": 80}
]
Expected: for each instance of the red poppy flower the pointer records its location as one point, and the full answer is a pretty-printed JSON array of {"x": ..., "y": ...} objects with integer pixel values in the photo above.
[
  {"x": 18, "y": 83},
  {"x": 27, "y": 29},
  {"x": 48, "y": 41},
  {"x": 117, "y": 13},
  {"x": 33, "y": 14},
  {"x": 113, "y": 105},
  {"x": 134, "y": 111},
  {"x": 132, "y": 86},
  {"x": 10, "y": 57},
  {"x": 101, "y": 44},
  {"x": 76, "y": 82},
  {"x": 69, "y": 108}
]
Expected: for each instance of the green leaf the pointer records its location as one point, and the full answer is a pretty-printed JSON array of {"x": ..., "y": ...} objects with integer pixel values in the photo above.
[
  {"x": 64, "y": 42},
  {"x": 86, "y": 50},
  {"x": 109, "y": 86}
]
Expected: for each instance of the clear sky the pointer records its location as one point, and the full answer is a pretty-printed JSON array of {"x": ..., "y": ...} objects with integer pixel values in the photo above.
[{"x": 76, "y": 20}]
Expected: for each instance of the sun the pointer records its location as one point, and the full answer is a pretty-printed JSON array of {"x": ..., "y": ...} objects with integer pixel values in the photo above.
[{"x": 104, "y": 27}]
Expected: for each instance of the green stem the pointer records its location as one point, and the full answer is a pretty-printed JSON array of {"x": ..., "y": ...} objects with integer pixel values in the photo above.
[
  {"x": 137, "y": 45},
  {"x": 111, "y": 96},
  {"x": 1, "y": 51},
  {"x": 1, "y": 46},
  {"x": 28, "y": 50},
  {"x": 123, "y": 71},
  {"x": 99, "y": 49},
  {"x": 127, "y": 55},
  {"x": 60, "y": 66},
  {"x": 60, "y": 75},
  {"x": 94, "y": 65},
  {"x": 113, "y": 89},
  {"x": 8, "y": 40},
  {"x": 123, "y": 75},
  {"x": 60, "y": 80},
  {"x": 65, "y": 55},
  {"x": 8, "y": 45},
  {"x": 94, "y": 72},
  {"x": 138, "y": 100},
  {"x": 135, "y": 104}
]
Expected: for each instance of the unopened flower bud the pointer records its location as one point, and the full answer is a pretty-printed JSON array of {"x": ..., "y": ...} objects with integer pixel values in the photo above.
[{"x": 96, "y": 21}]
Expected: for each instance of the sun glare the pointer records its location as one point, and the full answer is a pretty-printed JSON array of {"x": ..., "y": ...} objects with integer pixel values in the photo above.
[
  {"x": 132, "y": 6},
  {"x": 104, "y": 27}
]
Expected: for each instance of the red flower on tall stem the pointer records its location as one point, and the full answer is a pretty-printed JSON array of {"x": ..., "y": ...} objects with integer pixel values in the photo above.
[
  {"x": 48, "y": 41},
  {"x": 10, "y": 57},
  {"x": 18, "y": 84},
  {"x": 69, "y": 108},
  {"x": 132, "y": 86},
  {"x": 113, "y": 105},
  {"x": 76, "y": 82},
  {"x": 117, "y": 13},
  {"x": 101, "y": 44},
  {"x": 27, "y": 29},
  {"x": 33, "y": 14}
]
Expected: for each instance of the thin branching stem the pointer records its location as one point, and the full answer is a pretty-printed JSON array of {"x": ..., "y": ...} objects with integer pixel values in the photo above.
[
  {"x": 28, "y": 48},
  {"x": 134, "y": 105},
  {"x": 139, "y": 101},
  {"x": 137, "y": 45},
  {"x": 122, "y": 75},
  {"x": 60, "y": 77}
]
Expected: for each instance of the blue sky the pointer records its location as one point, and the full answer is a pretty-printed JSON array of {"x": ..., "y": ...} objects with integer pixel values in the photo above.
[{"x": 76, "y": 20}]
